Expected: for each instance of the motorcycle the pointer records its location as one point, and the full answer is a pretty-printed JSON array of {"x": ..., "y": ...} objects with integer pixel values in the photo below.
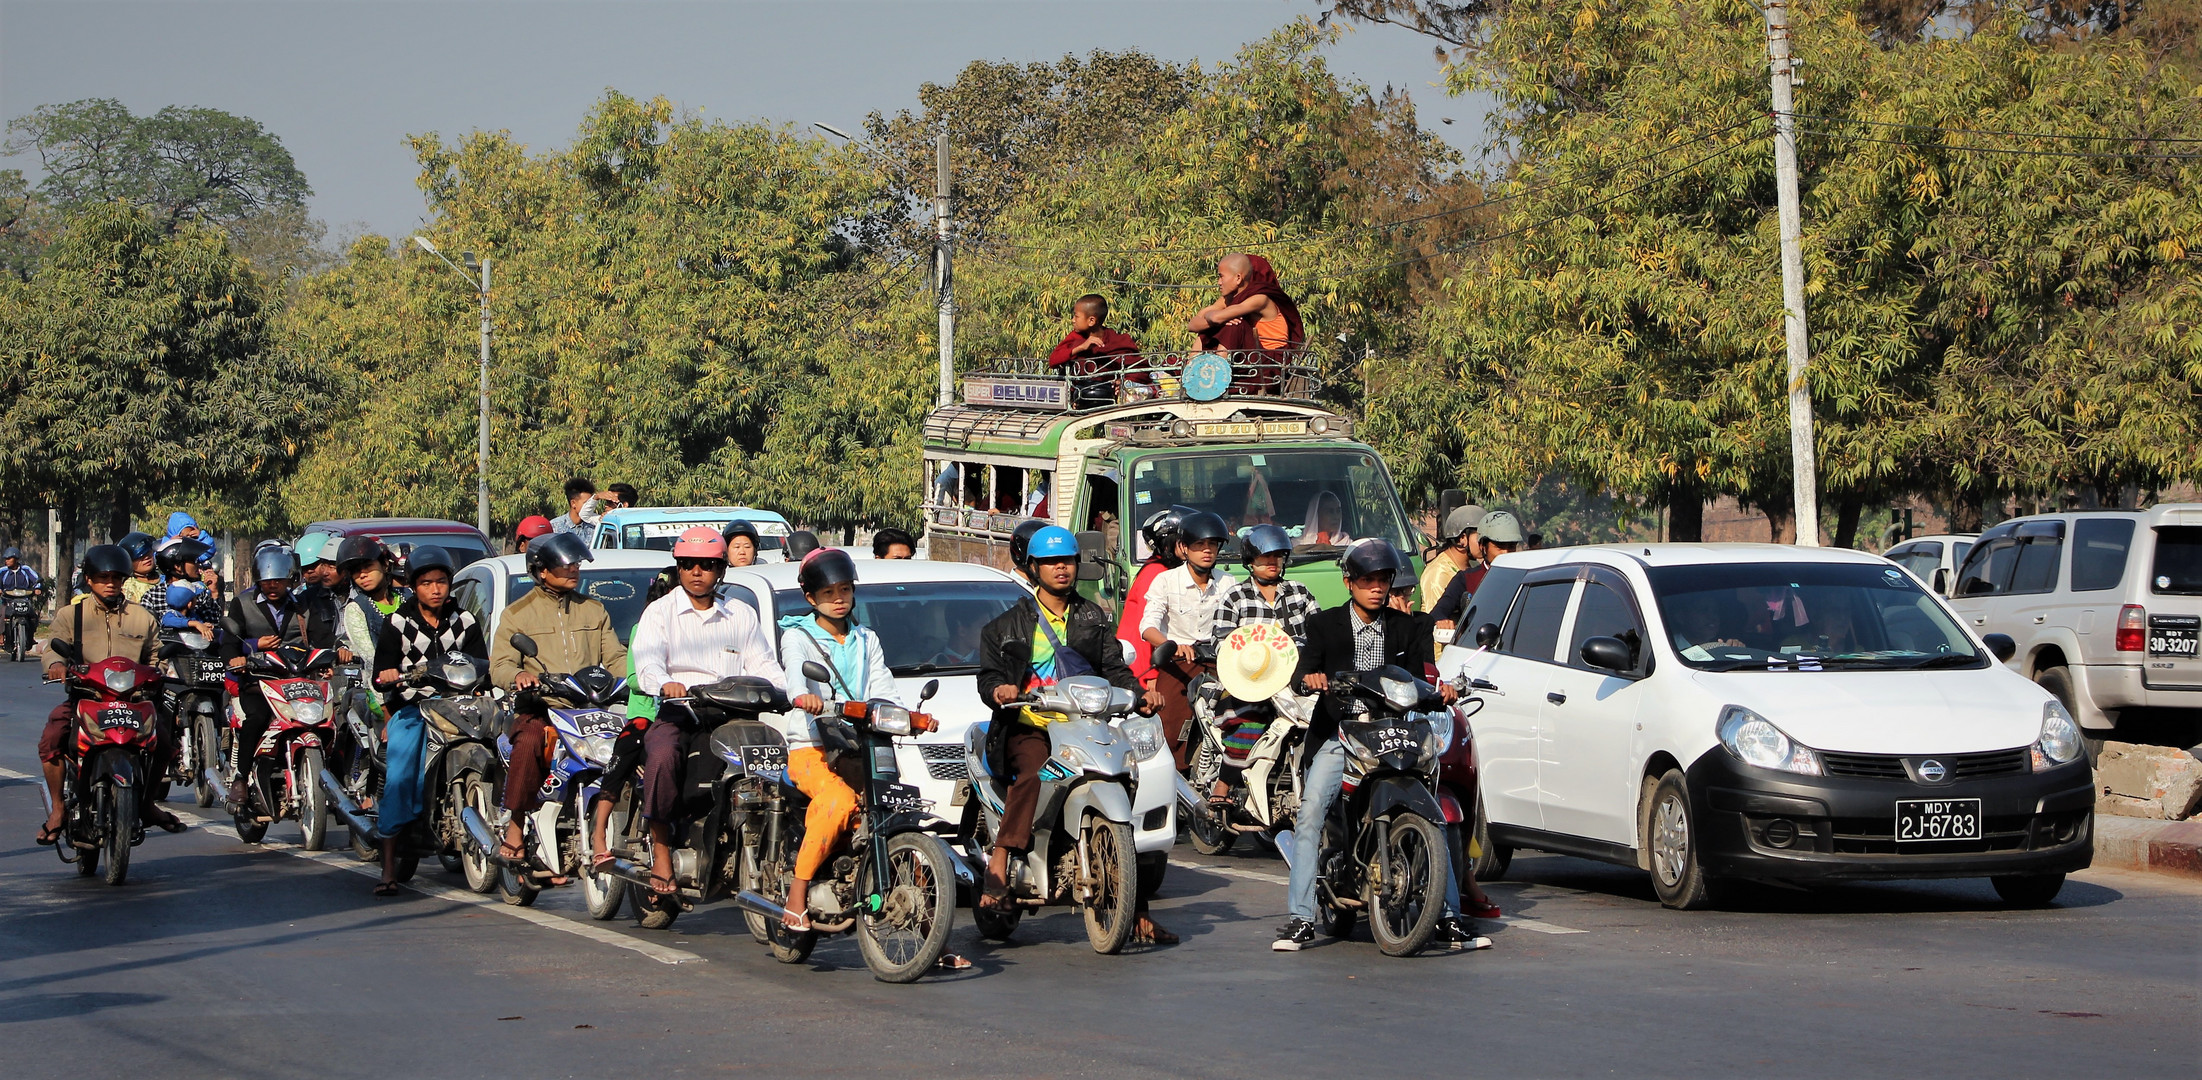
[
  {"x": 1384, "y": 848},
  {"x": 1255, "y": 746},
  {"x": 1107, "y": 815},
  {"x": 116, "y": 742},
  {"x": 194, "y": 709},
  {"x": 586, "y": 709},
  {"x": 890, "y": 881},
  {"x": 356, "y": 752},
  {"x": 461, "y": 774},
  {"x": 21, "y": 621},
  {"x": 281, "y": 772}
]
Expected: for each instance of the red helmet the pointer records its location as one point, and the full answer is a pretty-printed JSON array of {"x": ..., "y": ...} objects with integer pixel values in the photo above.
[
  {"x": 532, "y": 526},
  {"x": 701, "y": 542}
]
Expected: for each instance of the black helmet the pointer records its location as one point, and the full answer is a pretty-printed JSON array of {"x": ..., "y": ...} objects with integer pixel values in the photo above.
[
  {"x": 358, "y": 551},
  {"x": 799, "y": 543},
  {"x": 107, "y": 559},
  {"x": 1160, "y": 528},
  {"x": 1202, "y": 525},
  {"x": 428, "y": 557},
  {"x": 11, "y": 553},
  {"x": 138, "y": 545},
  {"x": 557, "y": 549},
  {"x": 1020, "y": 542},
  {"x": 1263, "y": 539},
  {"x": 829, "y": 567},
  {"x": 170, "y": 557},
  {"x": 740, "y": 527},
  {"x": 274, "y": 563},
  {"x": 1405, "y": 579},
  {"x": 1372, "y": 556}
]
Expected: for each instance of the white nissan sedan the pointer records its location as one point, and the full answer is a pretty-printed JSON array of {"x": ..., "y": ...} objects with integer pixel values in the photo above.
[{"x": 1710, "y": 711}]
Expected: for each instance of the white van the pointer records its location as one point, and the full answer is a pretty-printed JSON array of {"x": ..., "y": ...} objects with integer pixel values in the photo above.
[{"x": 1709, "y": 711}]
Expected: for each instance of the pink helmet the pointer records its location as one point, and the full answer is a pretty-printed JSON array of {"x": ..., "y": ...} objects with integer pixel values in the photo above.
[{"x": 701, "y": 542}]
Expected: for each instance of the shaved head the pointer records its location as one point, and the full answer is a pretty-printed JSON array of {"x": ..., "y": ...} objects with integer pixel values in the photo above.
[
  {"x": 1093, "y": 304},
  {"x": 1235, "y": 264}
]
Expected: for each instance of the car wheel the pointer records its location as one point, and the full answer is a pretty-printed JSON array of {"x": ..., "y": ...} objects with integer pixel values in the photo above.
[
  {"x": 1668, "y": 826},
  {"x": 2028, "y": 890}
]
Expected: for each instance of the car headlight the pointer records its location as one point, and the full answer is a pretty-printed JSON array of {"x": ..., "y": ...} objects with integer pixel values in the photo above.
[
  {"x": 1754, "y": 740},
  {"x": 310, "y": 712},
  {"x": 597, "y": 751},
  {"x": 2059, "y": 743},
  {"x": 120, "y": 680},
  {"x": 1145, "y": 735}
]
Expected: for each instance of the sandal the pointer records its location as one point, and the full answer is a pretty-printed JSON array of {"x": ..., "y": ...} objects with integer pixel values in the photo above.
[
  {"x": 953, "y": 962},
  {"x": 386, "y": 888},
  {"x": 1149, "y": 932},
  {"x": 603, "y": 862},
  {"x": 49, "y": 835},
  {"x": 168, "y": 823},
  {"x": 1485, "y": 910},
  {"x": 789, "y": 922}
]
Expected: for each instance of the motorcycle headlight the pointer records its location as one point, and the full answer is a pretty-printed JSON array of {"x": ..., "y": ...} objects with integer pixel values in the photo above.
[
  {"x": 120, "y": 680},
  {"x": 1441, "y": 735},
  {"x": 597, "y": 751},
  {"x": 310, "y": 712},
  {"x": 1090, "y": 699},
  {"x": 890, "y": 719},
  {"x": 2059, "y": 743},
  {"x": 1754, "y": 740},
  {"x": 458, "y": 670},
  {"x": 1402, "y": 694},
  {"x": 195, "y": 641},
  {"x": 1145, "y": 735}
]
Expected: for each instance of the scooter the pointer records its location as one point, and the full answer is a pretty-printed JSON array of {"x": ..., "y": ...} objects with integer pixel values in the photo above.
[
  {"x": 586, "y": 709},
  {"x": 891, "y": 881},
  {"x": 20, "y": 621},
  {"x": 461, "y": 774},
  {"x": 194, "y": 698},
  {"x": 1107, "y": 815},
  {"x": 281, "y": 772},
  {"x": 356, "y": 753},
  {"x": 116, "y": 737},
  {"x": 1254, "y": 746}
]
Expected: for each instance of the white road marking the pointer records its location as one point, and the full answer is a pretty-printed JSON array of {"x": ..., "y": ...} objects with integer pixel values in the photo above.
[
  {"x": 1537, "y": 925},
  {"x": 344, "y": 860}
]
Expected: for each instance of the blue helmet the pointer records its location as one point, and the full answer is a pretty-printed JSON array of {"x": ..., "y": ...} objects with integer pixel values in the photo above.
[{"x": 1052, "y": 542}]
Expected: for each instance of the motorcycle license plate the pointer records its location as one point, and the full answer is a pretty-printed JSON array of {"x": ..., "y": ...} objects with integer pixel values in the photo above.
[
  {"x": 2174, "y": 635},
  {"x": 127, "y": 719},
  {"x": 765, "y": 760},
  {"x": 898, "y": 798},
  {"x": 1385, "y": 740},
  {"x": 1928, "y": 821},
  {"x": 599, "y": 722},
  {"x": 301, "y": 691}
]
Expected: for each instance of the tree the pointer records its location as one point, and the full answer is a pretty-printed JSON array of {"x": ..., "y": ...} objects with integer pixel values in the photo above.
[
  {"x": 134, "y": 370},
  {"x": 184, "y": 164}
]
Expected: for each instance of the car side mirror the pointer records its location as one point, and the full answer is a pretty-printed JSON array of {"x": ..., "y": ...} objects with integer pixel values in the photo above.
[
  {"x": 1607, "y": 654},
  {"x": 1487, "y": 636},
  {"x": 2002, "y": 646},
  {"x": 524, "y": 644},
  {"x": 817, "y": 673}
]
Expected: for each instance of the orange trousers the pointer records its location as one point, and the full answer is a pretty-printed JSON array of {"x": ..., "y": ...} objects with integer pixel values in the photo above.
[{"x": 832, "y": 809}]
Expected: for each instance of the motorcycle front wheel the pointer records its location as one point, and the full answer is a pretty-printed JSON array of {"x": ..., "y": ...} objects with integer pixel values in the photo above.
[
  {"x": 313, "y": 803},
  {"x": 1112, "y": 898},
  {"x": 204, "y": 745},
  {"x": 602, "y": 894},
  {"x": 481, "y": 871},
  {"x": 917, "y": 909},
  {"x": 120, "y": 820},
  {"x": 1405, "y": 892}
]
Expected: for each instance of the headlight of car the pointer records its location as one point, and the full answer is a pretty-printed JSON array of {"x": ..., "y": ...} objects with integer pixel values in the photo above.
[
  {"x": 597, "y": 751},
  {"x": 1754, "y": 740},
  {"x": 1145, "y": 735},
  {"x": 2059, "y": 743}
]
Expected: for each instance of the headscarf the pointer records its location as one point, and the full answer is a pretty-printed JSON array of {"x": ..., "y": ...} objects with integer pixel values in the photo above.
[
  {"x": 1312, "y": 532},
  {"x": 178, "y": 522}
]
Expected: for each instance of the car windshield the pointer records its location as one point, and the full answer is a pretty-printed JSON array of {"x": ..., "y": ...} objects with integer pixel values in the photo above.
[
  {"x": 2178, "y": 567},
  {"x": 926, "y": 627},
  {"x": 1323, "y": 498},
  {"x": 622, "y": 591},
  {"x": 1805, "y": 616},
  {"x": 659, "y": 535},
  {"x": 463, "y": 548}
]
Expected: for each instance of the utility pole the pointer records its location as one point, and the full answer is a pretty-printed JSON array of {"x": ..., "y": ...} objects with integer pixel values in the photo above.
[
  {"x": 1804, "y": 467},
  {"x": 481, "y": 461},
  {"x": 945, "y": 280}
]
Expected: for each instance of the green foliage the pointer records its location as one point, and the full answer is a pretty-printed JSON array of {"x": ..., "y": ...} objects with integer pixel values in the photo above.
[{"x": 183, "y": 164}]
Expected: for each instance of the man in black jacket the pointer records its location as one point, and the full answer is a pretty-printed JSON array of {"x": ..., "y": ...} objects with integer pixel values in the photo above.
[
  {"x": 1363, "y": 634},
  {"x": 1016, "y": 655}
]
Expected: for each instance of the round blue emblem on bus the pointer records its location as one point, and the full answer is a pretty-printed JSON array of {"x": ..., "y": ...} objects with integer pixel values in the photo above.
[{"x": 1206, "y": 377}]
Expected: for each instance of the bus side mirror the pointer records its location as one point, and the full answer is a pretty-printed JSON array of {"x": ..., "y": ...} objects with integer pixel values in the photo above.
[{"x": 1093, "y": 555}]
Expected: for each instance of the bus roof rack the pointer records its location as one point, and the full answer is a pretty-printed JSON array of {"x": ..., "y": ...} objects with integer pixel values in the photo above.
[{"x": 1029, "y": 384}]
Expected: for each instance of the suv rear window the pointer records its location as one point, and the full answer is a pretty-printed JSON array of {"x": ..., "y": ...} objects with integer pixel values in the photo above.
[
  {"x": 2178, "y": 569},
  {"x": 2099, "y": 547}
]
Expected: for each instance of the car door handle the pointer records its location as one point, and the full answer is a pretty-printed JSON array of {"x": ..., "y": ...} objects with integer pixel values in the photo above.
[
  {"x": 1556, "y": 697},
  {"x": 2040, "y": 619}
]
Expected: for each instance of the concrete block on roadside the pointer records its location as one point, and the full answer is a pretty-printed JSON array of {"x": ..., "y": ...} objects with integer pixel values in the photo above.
[{"x": 2147, "y": 781}]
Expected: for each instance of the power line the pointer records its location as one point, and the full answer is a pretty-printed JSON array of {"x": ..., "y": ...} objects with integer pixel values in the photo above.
[
  {"x": 1993, "y": 131},
  {"x": 2014, "y": 151}
]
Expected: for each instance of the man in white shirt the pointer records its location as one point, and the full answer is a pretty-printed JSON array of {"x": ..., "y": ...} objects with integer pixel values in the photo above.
[
  {"x": 689, "y": 637},
  {"x": 1181, "y": 607}
]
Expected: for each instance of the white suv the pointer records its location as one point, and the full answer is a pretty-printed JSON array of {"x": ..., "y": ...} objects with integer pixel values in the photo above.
[
  {"x": 1704, "y": 711},
  {"x": 2104, "y": 605}
]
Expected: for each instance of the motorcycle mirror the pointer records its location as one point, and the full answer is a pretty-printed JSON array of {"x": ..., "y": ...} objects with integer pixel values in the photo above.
[
  {"x": 816, "y": 672},
  {"x": 1164, "y": 653},
  {"x": 523, "y": 644},
  {"x": 1487, "y": 636},
  {"x": 932, "y": 686},
  {"x": 170, "y": 651},
  {"x": 66, "y": 650}
]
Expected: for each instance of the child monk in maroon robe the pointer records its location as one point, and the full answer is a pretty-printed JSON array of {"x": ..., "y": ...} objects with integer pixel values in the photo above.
[{"x": 1093, "y": 355}]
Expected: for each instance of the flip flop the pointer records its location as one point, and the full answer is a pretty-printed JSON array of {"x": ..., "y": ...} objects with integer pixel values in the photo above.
[
  {"x": 172, "y": 825},
  {"x": 386, "y": 888},
  {"x": 1154, "y": 934},
  {"x": 803, "y": 929},
  {"x": 48, "y": 837},
  {"x": 603, "y": 863},
  {"x": 1483, "y": 911},
  {"x": 953, "y": 962}
]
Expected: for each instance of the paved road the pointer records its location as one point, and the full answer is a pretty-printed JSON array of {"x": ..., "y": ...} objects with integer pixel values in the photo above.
[{"x": 219, "y": 959}]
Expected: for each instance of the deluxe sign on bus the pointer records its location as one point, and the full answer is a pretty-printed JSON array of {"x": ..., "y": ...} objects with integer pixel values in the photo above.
[{"x": 1017, "y": 393}]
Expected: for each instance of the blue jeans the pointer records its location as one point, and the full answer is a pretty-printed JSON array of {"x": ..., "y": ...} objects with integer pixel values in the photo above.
[
  {"x": 1326, "y": 773},
  {"x": 403, "y": 745}
]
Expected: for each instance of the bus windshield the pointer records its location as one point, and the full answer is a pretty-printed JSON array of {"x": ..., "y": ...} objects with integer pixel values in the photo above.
[{"x": 1323, "y": 498}]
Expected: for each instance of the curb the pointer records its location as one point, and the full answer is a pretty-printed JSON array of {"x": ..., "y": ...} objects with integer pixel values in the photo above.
[{"x": 2161, "y": 847}]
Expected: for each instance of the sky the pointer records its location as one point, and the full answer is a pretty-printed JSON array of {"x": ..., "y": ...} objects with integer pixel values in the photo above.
[{"x": 342, "y": 82}]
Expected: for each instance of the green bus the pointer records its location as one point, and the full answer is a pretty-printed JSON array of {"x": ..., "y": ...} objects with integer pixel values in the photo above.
[{"x": 1021, "y": 444}]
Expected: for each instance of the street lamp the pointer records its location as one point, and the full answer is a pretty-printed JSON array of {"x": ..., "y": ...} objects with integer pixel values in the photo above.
[{"x": 481, "y": 292}]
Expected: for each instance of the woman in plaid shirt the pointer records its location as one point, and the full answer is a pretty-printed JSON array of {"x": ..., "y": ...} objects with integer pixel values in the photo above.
[{"x": 1265, "y": 596}]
